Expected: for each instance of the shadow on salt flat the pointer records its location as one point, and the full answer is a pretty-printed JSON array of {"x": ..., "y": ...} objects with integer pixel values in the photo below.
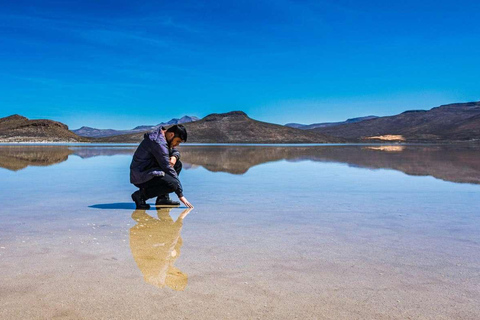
[
  {"x": 116, "y": 206},
  {"x": 125, "y": 206}
]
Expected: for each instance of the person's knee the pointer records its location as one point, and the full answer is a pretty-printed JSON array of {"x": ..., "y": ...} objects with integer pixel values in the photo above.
[
  {"x": 171, "y": 183},
  {"x": 175, "y": 186},
  {"x": 171, "y": 190}
]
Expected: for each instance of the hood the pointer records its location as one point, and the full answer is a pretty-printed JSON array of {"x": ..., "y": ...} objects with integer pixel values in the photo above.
[{"x": 156, "y": 135}]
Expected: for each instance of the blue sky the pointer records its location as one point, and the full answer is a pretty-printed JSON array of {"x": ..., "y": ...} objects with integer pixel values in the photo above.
[{"x": 119, "y": 64}]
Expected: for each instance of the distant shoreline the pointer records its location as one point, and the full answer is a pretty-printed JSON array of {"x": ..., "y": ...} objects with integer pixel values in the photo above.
[{"x": 113, "y": 144}]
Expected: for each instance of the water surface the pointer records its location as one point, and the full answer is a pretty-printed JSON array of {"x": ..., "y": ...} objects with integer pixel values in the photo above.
[{"x": 353, "y": 232}]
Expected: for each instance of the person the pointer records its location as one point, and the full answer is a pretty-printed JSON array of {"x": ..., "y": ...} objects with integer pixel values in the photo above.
[{"x": 156, "y": 165}]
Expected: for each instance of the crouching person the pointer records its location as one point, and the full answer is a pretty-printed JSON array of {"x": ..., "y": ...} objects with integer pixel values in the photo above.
[{"x": 155, "y": 167}]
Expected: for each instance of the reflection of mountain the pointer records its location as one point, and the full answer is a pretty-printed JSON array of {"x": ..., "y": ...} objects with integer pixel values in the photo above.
[
  {"x": 155, "y": 245},
  {"x": 19, "y": 157},
  {"x": 452, "y": 163},
  {"x": 90, "y": 152},
  {"x": 457, "y": 163}
]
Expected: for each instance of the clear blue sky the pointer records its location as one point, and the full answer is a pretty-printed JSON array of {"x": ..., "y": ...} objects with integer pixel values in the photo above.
[{"x": 119, "y": 64}]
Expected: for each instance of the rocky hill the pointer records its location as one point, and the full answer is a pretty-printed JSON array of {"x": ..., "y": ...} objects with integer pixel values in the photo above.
[
  {"x": 237, "y": 127},
  {"x": 16, "y": 128},
  {"x": 452, "y": 122}
]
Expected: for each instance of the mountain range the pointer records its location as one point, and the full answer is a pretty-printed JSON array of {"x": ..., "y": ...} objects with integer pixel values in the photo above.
[
  {"x": 100, "y": 133},
  {"x": 451, "y": 122},
  {"x": 446, "y": 123},
  {"x": 237, "y": 127},
  {"x": 328, "y": 124}
]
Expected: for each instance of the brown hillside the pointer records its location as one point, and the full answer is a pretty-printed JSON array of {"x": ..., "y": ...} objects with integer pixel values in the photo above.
[
  {"x": 451, "y": 122},
  {"x": 16, "y": 128},
  {"x": 237, "y": 127}
]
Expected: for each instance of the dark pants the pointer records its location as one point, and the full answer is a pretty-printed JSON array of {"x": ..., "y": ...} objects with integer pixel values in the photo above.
[{"x": 160, "y": 186}]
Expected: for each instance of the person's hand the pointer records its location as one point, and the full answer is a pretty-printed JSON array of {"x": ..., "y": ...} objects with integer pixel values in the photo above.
[
  {"x": 185, "y": 202},
  {"x": 173, "y": 160}
]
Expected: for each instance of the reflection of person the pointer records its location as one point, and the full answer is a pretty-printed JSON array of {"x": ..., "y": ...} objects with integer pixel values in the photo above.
[
  {"x": 155, "y": 245},
  {"x": 155, "y": 167}
]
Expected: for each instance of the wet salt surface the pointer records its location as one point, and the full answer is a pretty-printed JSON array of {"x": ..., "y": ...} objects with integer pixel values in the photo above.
[{"x": 313, "y": 232}]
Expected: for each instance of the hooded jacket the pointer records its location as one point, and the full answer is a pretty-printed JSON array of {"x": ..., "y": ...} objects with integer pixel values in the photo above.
[{"x": 151, "y": 159}]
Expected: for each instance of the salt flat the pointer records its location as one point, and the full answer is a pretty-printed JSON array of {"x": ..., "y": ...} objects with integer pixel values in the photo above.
[{"x": 321, "y": 232}]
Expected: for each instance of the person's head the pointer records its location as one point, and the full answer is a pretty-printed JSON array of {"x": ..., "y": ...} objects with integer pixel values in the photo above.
[{"x": 175, "y": 135}]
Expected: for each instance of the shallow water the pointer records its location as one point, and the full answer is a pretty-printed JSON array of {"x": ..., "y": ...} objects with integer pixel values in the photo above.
[{"x": 336, "y": 232}]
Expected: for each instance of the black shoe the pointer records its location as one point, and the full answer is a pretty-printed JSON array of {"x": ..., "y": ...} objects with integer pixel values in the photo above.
[
  {"x": 164, "y": 200},
  {"x": 140, "y": 201}
]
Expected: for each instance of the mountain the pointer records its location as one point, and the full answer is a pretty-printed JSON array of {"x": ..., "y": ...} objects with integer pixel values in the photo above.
[
  {"x": 327, "y": 124},
  {"x": 184, "y": 119},
  {"x": 89, "y": 132},
  {"x": 100, "y": 133},
  {"x": 452, "y": 122},
  {"x": 16, "y": 128},
  {"x": 237, "y": 127},
  {"x": 446, "y": 123}
]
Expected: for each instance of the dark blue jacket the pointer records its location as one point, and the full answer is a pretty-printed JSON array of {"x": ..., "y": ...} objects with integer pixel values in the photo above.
[{"x": 152, "y": 159}]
